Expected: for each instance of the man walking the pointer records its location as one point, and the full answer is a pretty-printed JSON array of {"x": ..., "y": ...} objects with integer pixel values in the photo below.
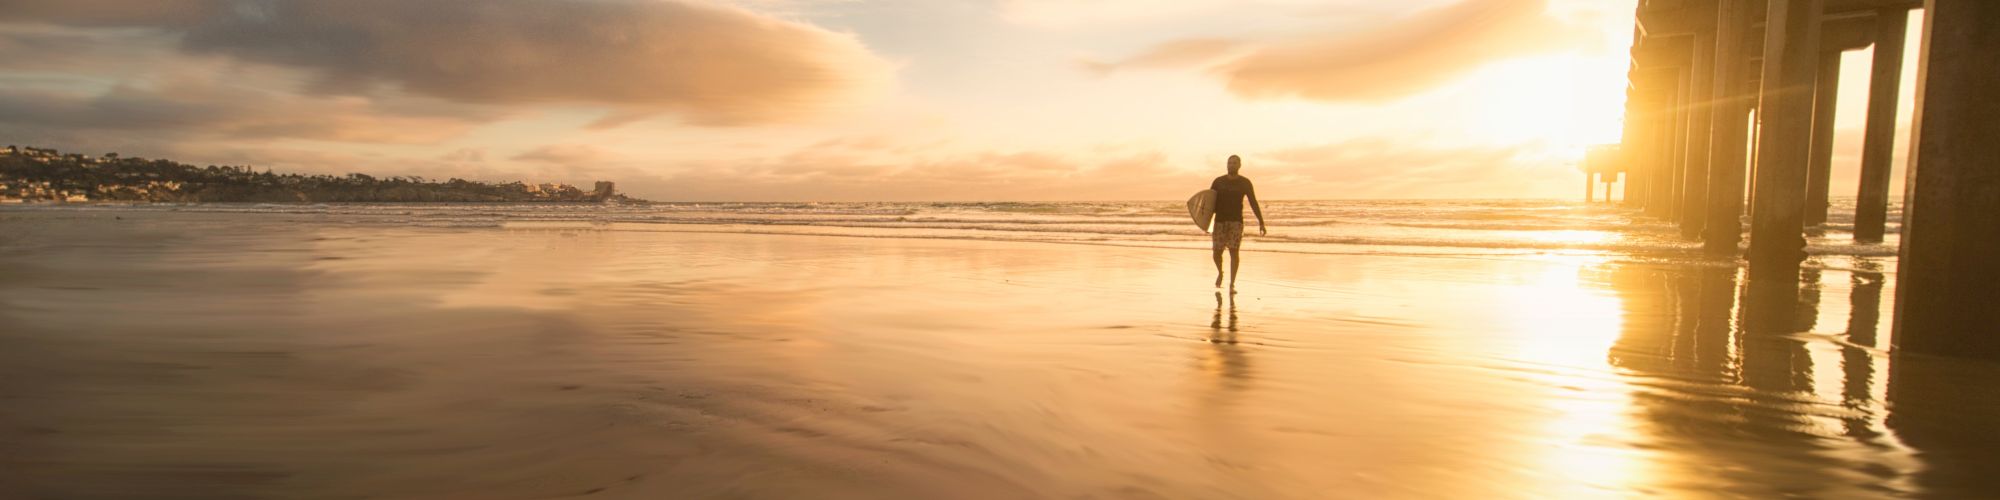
[{"x": 1230, "y": 190}]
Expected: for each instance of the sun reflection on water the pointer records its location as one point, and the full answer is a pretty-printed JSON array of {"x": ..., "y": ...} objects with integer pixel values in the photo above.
[
  {"x": 1573, "y": 236},
  {"x": 1569, "y": 324},
  {"x": 1572, "y": 324}
]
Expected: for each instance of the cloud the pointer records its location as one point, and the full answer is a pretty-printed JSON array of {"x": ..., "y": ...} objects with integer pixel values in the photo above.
[
  {"x": 1175, "y": 54},
  {"x": 1064, "y": 13},
  {"x": 1397, "y": 59},
  {"x": 465, "y": 155},
  {"x": 709, "y": 64},
  {"x": 1100, "y": 13},
  {"x": 201, "y": 109},
  {"x": 565, "y": 154},
  {"x": 54, "y": 48},
  {"x": 1391, "y": 168},
  {"x": 112, "y": 13},
  {"x": 1375, "y": 167},
  {"x": 863, "y": 169}
]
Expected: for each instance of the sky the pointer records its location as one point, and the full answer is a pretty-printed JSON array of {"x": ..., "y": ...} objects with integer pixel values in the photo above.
[{"x": 845, "y": 100}]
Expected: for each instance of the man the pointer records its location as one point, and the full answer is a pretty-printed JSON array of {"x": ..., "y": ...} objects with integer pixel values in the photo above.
[{"x": 1230, "y": 190}]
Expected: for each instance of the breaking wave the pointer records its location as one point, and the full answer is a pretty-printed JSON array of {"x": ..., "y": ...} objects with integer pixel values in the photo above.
[{"x": 1407, "y": 226}]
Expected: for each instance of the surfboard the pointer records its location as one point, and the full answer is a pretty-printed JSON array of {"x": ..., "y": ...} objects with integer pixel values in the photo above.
[{"x": 1201, "y": 208}]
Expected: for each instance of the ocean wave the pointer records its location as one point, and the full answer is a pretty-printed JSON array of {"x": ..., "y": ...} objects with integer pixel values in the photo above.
[{"x": 1455, "y": 225}]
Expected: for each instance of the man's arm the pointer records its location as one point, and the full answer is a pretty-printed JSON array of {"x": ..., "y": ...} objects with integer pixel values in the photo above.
[{"x": 1252, "y": 192}]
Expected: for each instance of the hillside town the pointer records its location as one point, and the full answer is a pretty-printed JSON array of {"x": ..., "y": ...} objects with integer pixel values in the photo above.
[{"x": 42, "y": 175}]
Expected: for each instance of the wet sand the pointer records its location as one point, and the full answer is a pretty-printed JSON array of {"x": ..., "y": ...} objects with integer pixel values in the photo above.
[{"x": 168, "y": 355}]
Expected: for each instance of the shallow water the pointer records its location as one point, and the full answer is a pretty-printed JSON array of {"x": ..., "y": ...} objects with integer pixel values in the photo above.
[
  {"x": 1388, "y": 227},
  {"x": 152, "y": 354}
]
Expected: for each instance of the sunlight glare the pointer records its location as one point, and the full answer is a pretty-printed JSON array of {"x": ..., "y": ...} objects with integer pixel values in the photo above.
[
  {"x": 1556, "y": 100},
  {"x": 1573, "y": 236},
  {"x": 1574, "y": 326},
  {"x": 1578, "y": 326}
]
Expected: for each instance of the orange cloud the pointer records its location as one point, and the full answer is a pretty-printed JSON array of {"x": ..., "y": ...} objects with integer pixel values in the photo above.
[
  {"x": 1389, "y": 168},
  {"x": 1362, "y": 168},
  {"x": 708, "y": 64},
  {"x": 1395, "y": 60},
  {"x": 851, "y": 170},
  {"x": 1177, "y": 53},
  {"x": 566, "y": 154}
]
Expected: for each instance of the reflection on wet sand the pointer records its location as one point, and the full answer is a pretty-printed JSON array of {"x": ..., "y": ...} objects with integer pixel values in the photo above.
[
  {"x": 1858, "y": 357},
  {"x": 1725, "y": 387},
  {"x": 1224, "y": 359},
  {"x": 1223, "y": 334},
  {"x": 1223, "y": 367},
  {"x": 563, "y": 363}
]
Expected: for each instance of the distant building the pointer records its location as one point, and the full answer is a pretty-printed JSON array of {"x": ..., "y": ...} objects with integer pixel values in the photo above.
[{"x": 605, "y": 190}]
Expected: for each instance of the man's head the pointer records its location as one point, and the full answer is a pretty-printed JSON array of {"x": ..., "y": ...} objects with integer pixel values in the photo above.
[{"x": 1235, "y": 164}]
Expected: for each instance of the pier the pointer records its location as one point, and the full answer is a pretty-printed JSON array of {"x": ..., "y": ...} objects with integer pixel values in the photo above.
[{"x": 1729, "y": 113}]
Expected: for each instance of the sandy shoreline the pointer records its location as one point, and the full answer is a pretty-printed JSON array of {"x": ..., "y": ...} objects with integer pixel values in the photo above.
[{"x": 168, "y": 355}]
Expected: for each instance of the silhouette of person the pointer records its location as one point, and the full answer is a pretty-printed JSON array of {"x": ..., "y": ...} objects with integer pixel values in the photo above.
[{"x": 1230, "y": 190}]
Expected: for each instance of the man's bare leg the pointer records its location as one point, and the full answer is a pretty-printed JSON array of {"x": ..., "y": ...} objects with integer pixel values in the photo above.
[
  {"x": 1234, "y": 261},
  {"x": 1218, "y": 267}
]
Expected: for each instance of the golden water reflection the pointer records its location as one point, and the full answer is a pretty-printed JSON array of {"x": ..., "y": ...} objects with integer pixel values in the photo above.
[
  {"x": 1789, "y": 384},
  {"x": 1224, "y": 361},
  {"x": 654, "y": 365},
  {"x": 1687, "y": 378},
  {"x": 1609, "y": 378}
]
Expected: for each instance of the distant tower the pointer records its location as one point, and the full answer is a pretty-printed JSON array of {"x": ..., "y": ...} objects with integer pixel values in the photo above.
[{"x": 605, "y": 190}]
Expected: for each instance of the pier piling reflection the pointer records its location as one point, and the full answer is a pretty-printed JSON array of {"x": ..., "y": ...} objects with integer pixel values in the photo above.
[{"x": 1736, "y": 376}]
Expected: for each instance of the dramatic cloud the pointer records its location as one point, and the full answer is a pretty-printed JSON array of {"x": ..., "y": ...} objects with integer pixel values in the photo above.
[
  {"x": 711, "y": 65},
  {"x": 201, "y": 109},
  {"x": 1397, "y": 59},
  {"x": 525, "y": 89},
  {"x": 112, "y": 13}
]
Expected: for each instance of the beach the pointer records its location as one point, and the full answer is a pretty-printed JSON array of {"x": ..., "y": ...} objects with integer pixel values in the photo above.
[{"x": 149, "y": 353}]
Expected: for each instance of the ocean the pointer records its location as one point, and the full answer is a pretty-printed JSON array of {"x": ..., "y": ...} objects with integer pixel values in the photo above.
[
  {"x": 1373, "y": 349},
  {"x": 1395, "y": 227}
]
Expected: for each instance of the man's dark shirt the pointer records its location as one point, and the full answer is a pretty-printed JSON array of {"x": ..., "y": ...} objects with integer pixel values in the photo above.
[{"x": 1229, "y": 195}]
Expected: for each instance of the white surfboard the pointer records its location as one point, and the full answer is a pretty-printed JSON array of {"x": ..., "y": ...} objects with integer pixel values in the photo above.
[{"x": 1201, "y": 208}]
